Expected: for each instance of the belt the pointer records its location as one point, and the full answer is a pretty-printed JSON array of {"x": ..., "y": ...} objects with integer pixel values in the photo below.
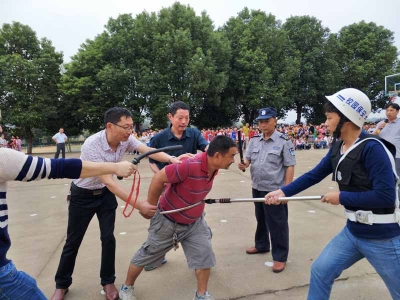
[
  {"x": 81, "y": 191},
  {"x": 368, "y": 217},
  {"x": 172, "y": 220}
]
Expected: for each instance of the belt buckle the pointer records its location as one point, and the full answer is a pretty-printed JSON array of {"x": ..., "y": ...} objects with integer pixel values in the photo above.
[
  {"x": 397, "y": 213},
  {"x": 97, "y": 192},
  {"x": 364, "y": 217}
]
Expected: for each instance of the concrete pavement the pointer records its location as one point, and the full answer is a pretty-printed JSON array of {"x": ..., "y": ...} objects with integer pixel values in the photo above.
[{"x": 38, "y": 220}]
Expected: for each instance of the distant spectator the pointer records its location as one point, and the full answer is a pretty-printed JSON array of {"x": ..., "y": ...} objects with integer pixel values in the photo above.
[
  {"x": 60, "y": 138},
  {"x": 299, "y": 143},
  {"x": 18, "y": 143},
  {"x": 307, "y": 144},
  {"x": 3, "y": 142},
  {"x": 317, "y": 143}
]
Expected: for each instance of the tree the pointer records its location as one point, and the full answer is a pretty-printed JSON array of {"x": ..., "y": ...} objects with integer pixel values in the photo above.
[
  {"x": 312, "y": 47},
  {"x": 29, "y": 74},
  {"x": 260, "y": 71},
  {"x": 146, "y": 63},
  {"x": 366, "y": 55}
]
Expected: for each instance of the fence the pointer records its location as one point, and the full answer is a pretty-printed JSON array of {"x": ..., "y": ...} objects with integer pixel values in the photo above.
[{"x": 47, "y": 141}]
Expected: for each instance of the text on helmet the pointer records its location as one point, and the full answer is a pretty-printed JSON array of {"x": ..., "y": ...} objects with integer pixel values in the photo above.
[{"x": 354, "y": 105}]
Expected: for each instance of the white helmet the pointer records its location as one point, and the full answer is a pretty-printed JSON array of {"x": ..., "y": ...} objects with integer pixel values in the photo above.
[{"x": 352, "y": 103}]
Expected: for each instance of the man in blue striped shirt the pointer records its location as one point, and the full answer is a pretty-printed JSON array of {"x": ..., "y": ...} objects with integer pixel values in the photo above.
[{"x": 17, "y": 166}]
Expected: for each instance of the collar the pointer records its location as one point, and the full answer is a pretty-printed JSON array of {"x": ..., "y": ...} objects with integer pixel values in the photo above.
[
  {"x": 204, "y": 164},
  {"x": 273, "y": 136},
  {"x": 185, "y": 134},
  {"x": 362, "y": 135},
  {"x": 103, "y": 141},
  {"x": 394, "y": 121}
]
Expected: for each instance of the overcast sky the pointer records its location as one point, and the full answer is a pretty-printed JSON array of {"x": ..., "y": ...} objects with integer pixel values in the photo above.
[{"x": 68, "y": 23}]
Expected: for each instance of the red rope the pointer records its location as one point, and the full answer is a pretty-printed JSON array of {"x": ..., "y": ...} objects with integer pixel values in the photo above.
[{"x": 130, "y": 195}]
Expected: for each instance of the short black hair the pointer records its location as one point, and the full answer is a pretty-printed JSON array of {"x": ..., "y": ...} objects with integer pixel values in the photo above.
[
  {"x": 330, "y": 108},
  {"x": 178, "y": 105},
  {"x": 113, "y": 115},
  {"x": 221, "y": 144},
  {"x": 393, "y": 105}
]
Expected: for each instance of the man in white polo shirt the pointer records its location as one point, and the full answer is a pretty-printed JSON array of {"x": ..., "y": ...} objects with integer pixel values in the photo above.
[
  {"x": 96, "y": 196},
  {"x": 60, "y": 138},
  {"x": 389, "y": 130}
]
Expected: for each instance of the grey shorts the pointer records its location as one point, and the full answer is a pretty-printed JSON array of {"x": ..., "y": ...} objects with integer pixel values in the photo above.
[{"x": 195, "y": 239}]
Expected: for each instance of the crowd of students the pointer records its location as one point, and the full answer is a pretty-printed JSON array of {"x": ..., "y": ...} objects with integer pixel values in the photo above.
[
  {"x": 10, "y": 141},
  {"x": 303, "y": 136}
]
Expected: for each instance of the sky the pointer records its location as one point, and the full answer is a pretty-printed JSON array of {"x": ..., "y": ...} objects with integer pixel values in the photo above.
[{"x": 68, "y": 23}]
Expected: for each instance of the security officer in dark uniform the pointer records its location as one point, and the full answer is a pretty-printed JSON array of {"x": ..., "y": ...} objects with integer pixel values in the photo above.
[{"x": 271, "y": 158}]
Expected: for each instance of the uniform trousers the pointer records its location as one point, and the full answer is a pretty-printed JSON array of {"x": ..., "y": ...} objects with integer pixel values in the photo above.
[{"x": 272, "y": 222}]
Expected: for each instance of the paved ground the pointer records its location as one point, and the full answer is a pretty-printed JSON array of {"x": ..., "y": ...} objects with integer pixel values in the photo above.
[{"x": 38, "y": 218}]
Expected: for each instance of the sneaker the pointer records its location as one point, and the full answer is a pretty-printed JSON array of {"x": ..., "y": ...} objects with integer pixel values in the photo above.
[
  {"x": 126, "y": 292},
  {"x": 205, "y": 296},
  {"x": 151, "y": 268}
]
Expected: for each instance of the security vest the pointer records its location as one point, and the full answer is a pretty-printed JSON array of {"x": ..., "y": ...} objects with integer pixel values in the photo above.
[{"x": 351, "y": 175}]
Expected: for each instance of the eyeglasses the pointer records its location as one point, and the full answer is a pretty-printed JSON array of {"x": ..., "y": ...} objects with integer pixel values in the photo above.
[{"x": 126, "y": 128}]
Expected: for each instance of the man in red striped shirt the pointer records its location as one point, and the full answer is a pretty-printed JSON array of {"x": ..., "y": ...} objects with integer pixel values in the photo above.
[{"x": 188, "y": 183}]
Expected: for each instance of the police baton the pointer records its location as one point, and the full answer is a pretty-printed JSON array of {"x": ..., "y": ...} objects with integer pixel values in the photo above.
[
  {"x": 240, "y": 142},
  {"x": 234, "y": 200}
]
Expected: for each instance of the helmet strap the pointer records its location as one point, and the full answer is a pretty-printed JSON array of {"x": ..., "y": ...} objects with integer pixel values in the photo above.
[{"x": 336, "y": 133}]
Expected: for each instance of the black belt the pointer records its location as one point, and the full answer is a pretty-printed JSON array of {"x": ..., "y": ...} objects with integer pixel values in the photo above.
[{"x": 81, "y": 191}]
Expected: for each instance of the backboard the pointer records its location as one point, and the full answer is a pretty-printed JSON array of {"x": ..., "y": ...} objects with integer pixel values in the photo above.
[{"x": 392, "y": 85}]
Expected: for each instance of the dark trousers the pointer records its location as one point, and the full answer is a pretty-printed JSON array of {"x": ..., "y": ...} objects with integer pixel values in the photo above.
[
  {"x": 272, "y": 221},
  {"x": 84, "y": 204},
  {"x": 60, "y": 147}
]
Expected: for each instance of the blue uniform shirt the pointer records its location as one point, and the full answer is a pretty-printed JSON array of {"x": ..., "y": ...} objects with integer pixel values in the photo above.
[{"x": 191, "y": 140}]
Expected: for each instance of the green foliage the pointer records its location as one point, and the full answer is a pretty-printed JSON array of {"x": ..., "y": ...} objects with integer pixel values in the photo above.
[
  {"x": 318, "y": 74},
  {"x": 29, "y": 73},
  {"x": 260, "y": 71},
  {"x": 146, "y": 63},
  {"x": 367, "y": 55}
]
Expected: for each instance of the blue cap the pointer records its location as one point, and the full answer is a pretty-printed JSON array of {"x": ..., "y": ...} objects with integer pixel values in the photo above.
[{"x": 266, "y": 113}]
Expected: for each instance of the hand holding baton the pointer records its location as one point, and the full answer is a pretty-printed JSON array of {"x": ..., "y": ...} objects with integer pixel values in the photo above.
[{"x": 240, "y": 142}]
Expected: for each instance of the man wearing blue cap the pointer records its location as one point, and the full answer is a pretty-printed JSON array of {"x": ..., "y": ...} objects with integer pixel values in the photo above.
[{"x": 272, "y": 159}]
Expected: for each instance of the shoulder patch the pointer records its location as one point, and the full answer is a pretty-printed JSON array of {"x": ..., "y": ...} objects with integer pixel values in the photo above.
[
  {"x": 284, "y": 136},
  {"x": 291, "y": 151}
]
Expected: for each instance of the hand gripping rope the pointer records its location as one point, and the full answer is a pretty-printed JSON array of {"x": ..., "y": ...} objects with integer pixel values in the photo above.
[
  {"x": 136, "y": 161},
  {"x": 233, "y": 200}
]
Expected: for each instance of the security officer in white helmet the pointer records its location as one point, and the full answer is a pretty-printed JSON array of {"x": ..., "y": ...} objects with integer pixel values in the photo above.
[{"x": 363, "y": 166}]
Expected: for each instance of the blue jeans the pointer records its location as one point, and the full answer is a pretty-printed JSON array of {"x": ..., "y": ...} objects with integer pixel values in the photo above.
[
  {"x": 16, "y": 285},
  {"x": 345, "y": 250}
]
